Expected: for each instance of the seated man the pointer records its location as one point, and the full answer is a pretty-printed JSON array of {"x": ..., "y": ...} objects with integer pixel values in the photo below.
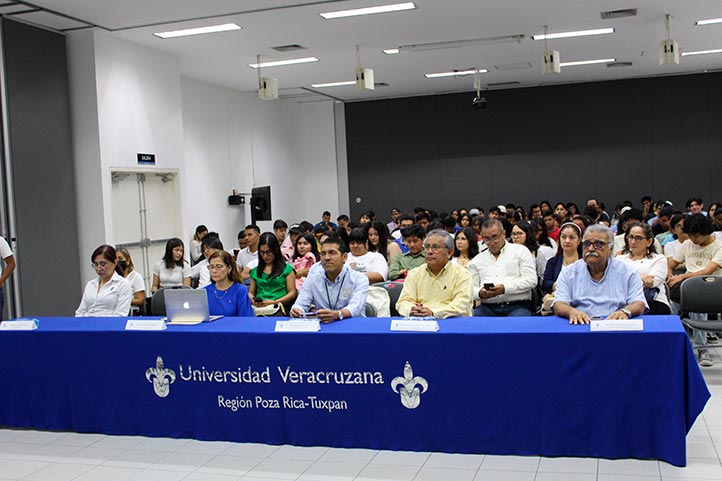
[
  {"x": 503, "y": 275},
  {"x": 439, "y": 288},
  {"x": 336, "y": 291},
  {"x": 598, "y": 285},
  {"x": 403, "y": 263}
]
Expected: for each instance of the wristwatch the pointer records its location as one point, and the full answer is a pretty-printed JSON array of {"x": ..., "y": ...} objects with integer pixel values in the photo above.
[
  {"x": 340, "y": 315},
  {"x": 627, "y": 312}
]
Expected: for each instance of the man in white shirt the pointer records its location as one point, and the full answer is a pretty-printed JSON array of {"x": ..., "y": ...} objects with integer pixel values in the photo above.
[
  {"x": 503, "y": 276},
  {"x": 251, "y": 234}
]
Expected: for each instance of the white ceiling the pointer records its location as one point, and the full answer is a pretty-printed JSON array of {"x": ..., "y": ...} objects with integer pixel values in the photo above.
[{"x": 223, "y": 58}]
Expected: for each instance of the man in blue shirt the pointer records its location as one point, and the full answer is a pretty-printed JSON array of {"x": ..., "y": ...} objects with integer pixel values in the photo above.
[
  {"x": 598, "y": 285},
  {"x": 336, "y": 291}
]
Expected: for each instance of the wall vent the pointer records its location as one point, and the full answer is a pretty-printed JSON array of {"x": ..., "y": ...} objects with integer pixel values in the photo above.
[
  {"x": 611, "y": 14},
  {"x": 619, "y": 64},
  {"x": 502, "y": 84},
  {"x": 288, "y": 48}
]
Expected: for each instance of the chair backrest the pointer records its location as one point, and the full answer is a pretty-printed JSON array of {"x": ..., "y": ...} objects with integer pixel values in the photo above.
[
  {"x": 370, "y": 310},
  {"x": 701, "y": 294},
  {"x": 157, "y": 301},
  {"x": 394, "y": 290}
]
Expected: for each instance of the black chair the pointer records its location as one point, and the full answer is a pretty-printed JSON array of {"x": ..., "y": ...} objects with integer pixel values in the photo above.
[
  {"x": 157, "y": 301},
  {"x": 370, "y": 310},
  {"x": 394, "y": 290},
  {"x": 702, "y": 295}
]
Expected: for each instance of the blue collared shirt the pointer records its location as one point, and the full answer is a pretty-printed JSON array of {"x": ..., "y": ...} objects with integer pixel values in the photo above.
[
  {"x": 348, "y": 291},
  {"x": 620, "y": 286}
]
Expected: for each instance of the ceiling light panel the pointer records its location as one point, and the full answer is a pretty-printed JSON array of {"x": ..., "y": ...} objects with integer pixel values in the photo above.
[
  {"x": 198, "y": 31},
  {"x": 454, "y": 73},
  {"x": 369, "y": 10},
  {"x": 587, "y": 62},
  {"x": 709, "y": 21},
  {"x": 279, "y": 63},
  {"x": 702, "y": 52},
  {"x": 334, "y": 84},
  {"x": 577, "y": 33}
]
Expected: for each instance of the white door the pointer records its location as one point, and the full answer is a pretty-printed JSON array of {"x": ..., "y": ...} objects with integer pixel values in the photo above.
[{"x": 146, "y": 213}]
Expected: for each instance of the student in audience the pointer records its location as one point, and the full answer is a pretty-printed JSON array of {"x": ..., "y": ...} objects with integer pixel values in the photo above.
[
  {"x": 561, "y": 211},
  {"x": 701, "y": 255},
  {"x": 364, "y": 218},
  {"x": 661, "y": 229},
  {"x": 273, "y": 282},
  {"x": 524, "y": 233},
  {"x": 210, "y": 244},
  {"x": 552, "y": 224},
  {"x": 466, "y": 247},
  {"x": 572, "y": 209},
  {"x": 640, "y": 253},
  {"x": 109, "y": 294},
  {"x": 476, "y": 225},
  {"x": 545, "y": 205},
  {"x": 465, "y": 221},
  {"x": 535, "y": 211},
  {"x": 134, "y": 278},
  {"x": 718, "y": 223},
  {"x": 195, "y": 245},
  {"x": 325, "y": 224},
  {"x": 695, "y": 205},
  {"x": 251, "y": 234},
  {"x": 414, "y": 257},
  {"x": 456, "y": 216},
  {"x": 395, "y": 214},
  {"x": 344, "y": 221},
  {"x": 280, "y": 228},
  {"x": 582, "y": 221},
  {"x": 380, "y": 241},
  {"x": 172, "y": 270},
  {"x": 305, "y": 255},
  {"x": 678, "y": 235},
  {"x": 371, "y": 264},
  {"x": 227, "y": 296},
  {"x": 569, "y": 251},
  {"x": 7, "y": 255},
  {"x": 336, "y": 291},
  {"x": 423, "y": 219},
  {"x": 713, "y": 209}
]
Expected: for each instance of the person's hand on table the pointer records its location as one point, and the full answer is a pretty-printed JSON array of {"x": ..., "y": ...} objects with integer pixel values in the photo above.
[
  {"x": 327, "y": 315},
  {"x": 296, "y": 312},
  {"x": 617, "y": 315},
  {"x": 578, "y": 317},
  {"x": 421, "y": 310}
]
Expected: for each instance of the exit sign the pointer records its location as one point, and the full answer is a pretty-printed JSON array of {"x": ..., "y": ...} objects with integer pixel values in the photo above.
[{"x": 146, "y": 159}]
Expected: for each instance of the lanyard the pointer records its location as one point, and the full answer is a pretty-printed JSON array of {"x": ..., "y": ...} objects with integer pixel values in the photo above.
[{"x": 328, "y": 295}]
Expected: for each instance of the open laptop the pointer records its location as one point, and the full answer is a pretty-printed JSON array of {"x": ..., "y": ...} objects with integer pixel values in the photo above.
[{"x": 187, "y": 306}]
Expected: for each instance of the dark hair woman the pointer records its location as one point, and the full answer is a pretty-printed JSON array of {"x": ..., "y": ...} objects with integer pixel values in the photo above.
[
  {"x": 227, "y": 296},
  {"x": 466, "y": 247},
  {"x": 109, "y": 294},
  {"x": 305, "y": 254},
  {"x": 568, "y": 252},
  {"x": 172, "y": 270},
  {"x": 380, "y": 241},
  {"x": 273, "y": 282},
  {"x": 125, "y": 262}
]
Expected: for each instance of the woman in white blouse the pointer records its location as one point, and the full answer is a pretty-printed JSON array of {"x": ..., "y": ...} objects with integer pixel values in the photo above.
[
  {"x": 372, "y": 264},
  {"x": 172, "y": 270},
  {"x": 639, "y": 252},
  {"x": 134, "y": 277},
  {"x": 109, "y": 295}
]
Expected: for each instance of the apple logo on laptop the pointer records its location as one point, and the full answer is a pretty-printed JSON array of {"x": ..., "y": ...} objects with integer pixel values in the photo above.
[{"x": 186, "y": 305}]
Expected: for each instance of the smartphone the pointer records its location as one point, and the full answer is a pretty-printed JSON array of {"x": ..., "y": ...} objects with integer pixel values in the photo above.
[
  {"x": 309, "y": 314},
  {"x": 257, "y": 299},
  {"x": 488, "y": 286}
]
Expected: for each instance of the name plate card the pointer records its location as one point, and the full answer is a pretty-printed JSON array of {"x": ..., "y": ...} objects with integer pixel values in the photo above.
[
  {"x": 19, "y": 325},
  {"x": 145, "y": 325},
  {"x": 308, "y": 325},
  {"x": 618, "y": 325},
  {"x": 415, "y": 325}
]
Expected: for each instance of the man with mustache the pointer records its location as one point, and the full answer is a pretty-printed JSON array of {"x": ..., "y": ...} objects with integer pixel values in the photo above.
[{"x": 598, "y": 285}]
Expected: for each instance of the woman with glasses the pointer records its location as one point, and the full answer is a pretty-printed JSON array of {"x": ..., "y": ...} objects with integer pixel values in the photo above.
[
  {"x": 640, "y": 253},
  {"x": 569, "y": 251},
  {"x": 524, "y": 233},
  {"x": 172, "y": 270},
  {"x": 125, "y": 262},
  {"x": 273, "y": 282},
  {"x": 227, "y": 296},
  {"x": 109, "y": 294}
]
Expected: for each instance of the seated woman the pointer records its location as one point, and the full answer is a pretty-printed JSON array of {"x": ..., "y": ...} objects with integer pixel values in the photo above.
[
  {"x": 465, "y": 247},
  {"x": 109, "y": 294},
  {"x": 569, "y": 251},
  {"x": 196, "y": 253},
  {"x": 640, "y": 253},
  {"x": 172, "y": 270},
  {"x": 133, "y": 277},
  {"x": 227, "y": 296},
  {"x": 380, "y": 241},
  {"x": 305, "y": 254},
  {"x": 372, "y": 264},
  {"x": 273, "y": 282},
  {"x": 525, "y": 233},
  {"x": 465, "y": 221},
  {"x": 562, "y": 212}
]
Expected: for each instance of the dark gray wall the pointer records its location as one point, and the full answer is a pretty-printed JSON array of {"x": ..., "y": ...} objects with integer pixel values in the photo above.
[
  {"x": 42, "y": 164},
  {"x": 611, "y": 140}
]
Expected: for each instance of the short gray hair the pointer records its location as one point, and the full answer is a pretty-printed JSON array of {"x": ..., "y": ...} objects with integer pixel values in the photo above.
[
  {"x": 491, "y": 222},
  {"x": 600, "y": 229},
  {"x": 448, "y": 241}
]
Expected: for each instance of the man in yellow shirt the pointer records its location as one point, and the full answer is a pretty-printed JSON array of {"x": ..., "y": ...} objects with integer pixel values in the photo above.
[{"x": 438, "y": 288}]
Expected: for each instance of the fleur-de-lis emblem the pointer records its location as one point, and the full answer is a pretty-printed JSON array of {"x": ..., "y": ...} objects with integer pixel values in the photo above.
[
  {"x": 410, "y": 393},
  {"x": 161, "y": 378}
]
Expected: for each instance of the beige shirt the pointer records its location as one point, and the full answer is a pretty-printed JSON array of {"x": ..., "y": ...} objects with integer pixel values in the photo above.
[{"x": 447, "y": 294}]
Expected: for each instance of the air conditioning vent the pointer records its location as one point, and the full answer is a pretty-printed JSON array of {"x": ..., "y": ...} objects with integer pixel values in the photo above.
[
  {"x": 611, "y": 14},
  {"x": 513, "y": 66},
  {"x": 288, "y": 48},
  {"x": 619, "y": 64},
  {"x": 502, "y": 84}
]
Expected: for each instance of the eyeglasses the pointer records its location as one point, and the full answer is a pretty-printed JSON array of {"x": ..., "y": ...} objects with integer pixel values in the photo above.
[
  {"x": 597, "y": 244},
  {"x": 517, "y": 234},
  {"x": 265, "y": 253},
  {"x": 433, "y": 247},
  {"x": 216, "y": 267},
  {"x": 637, "y": 238}
]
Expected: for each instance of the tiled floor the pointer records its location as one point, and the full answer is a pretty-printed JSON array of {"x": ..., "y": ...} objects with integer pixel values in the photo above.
[{"x": 46, "y": 456}]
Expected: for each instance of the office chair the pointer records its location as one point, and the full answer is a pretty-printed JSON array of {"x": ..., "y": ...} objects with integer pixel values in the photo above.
[
  {"x": 701, "y": 295},
  {"x": 370, "y": 310},
  {"x": 157, "y": 301},
  {"x": 394, "y": 290}
]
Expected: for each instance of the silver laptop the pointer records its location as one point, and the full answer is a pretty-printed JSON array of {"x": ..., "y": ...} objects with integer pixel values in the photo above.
[{"x": 187, "y": 306}]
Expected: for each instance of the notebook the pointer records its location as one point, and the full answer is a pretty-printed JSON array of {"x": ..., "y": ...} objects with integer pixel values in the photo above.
[{"x": 187, "y": 306}]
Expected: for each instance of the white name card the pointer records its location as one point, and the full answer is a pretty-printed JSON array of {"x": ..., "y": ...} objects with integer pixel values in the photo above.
[
  {"x": 414, "y": 325},
  {"x": 618, "y": 325},
  {"x": 145, "y": 325},
  {"x": 308, "y": 325},
  {"x": 19, "y": 325}
]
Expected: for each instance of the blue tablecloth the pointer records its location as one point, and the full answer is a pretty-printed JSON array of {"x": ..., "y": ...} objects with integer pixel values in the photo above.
[{"x": 525, "y": 386}]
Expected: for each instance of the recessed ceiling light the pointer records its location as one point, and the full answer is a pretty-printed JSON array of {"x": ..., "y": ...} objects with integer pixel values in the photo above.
[
  {"x": 586, "y": 62},
  {"x": 334, "y": 84},
  {"x": 278, "y": 63},
  {"x": 709, "y": 21},
  {"x": 369, "y": 10},
  {"x": 391, "y": 51},
  {"x": 198, "y": 31},
  {"x": 702, "y": 52},
  {"x": 454, "y": 73},
  {"x": 578, "y": 33}
]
